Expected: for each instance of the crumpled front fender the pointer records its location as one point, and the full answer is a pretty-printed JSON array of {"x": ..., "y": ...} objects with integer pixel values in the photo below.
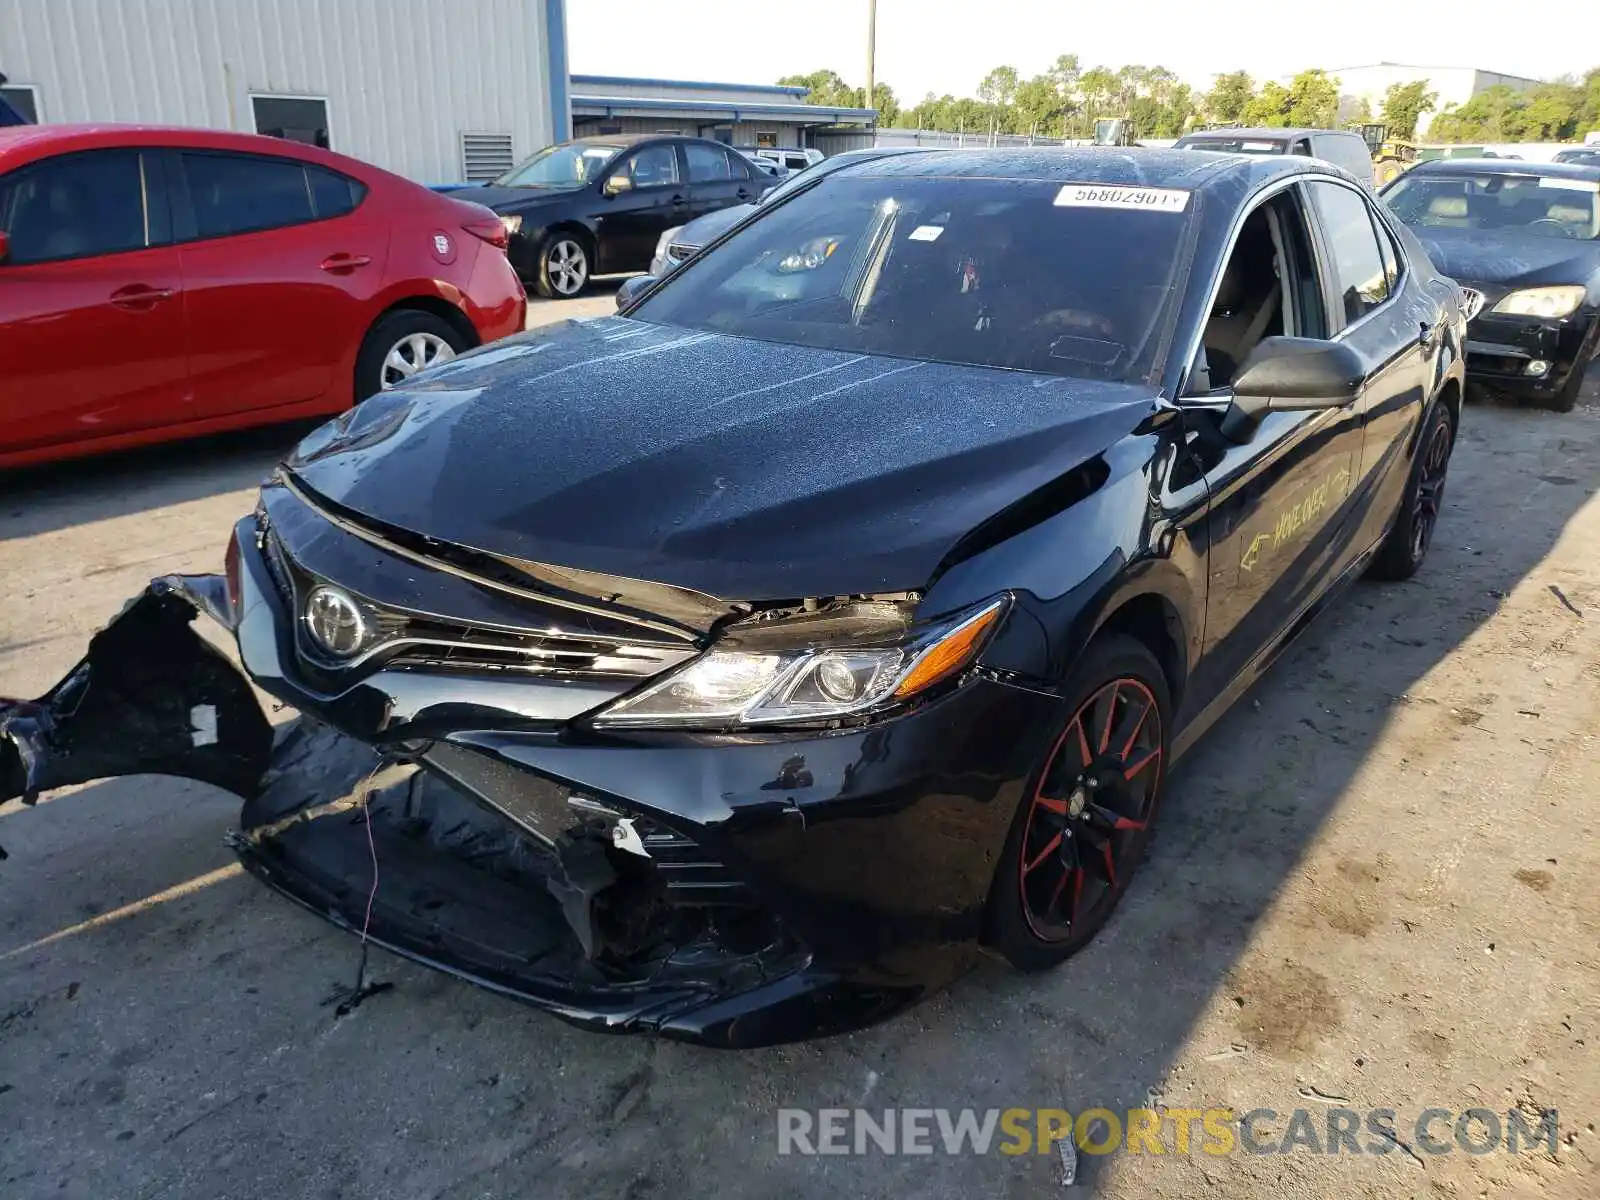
[{"x": 151, "y": 696}]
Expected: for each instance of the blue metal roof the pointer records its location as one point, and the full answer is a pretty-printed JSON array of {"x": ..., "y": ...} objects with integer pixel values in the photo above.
[
  {"x": 689, "y": 83},
  {"x": 610, "y": 106}
]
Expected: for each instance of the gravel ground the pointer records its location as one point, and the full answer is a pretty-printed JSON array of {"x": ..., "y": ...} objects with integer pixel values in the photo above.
[{"x": 1374, "y": 887}]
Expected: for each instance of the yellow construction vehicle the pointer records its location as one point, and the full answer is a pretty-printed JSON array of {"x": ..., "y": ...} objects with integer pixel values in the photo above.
[{"x": 1390, "y": 156}]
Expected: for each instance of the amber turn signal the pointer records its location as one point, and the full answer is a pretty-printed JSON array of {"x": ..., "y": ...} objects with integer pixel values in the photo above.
[{"x": 950, "y": 653}]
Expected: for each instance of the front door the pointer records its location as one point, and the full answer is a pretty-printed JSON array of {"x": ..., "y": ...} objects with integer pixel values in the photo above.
[
  {"x": 1278, "y": 523},
  {"x": 91, "y": 301},
  {"x": 1390, "y": 326},
  {"x": 281, "y": 266},
  {"x": 654, "y": 198}
]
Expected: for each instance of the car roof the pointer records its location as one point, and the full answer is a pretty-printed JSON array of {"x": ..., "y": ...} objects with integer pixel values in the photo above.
[
  {"x": 21, "y": 139},
  {"x": 1505, "y": 166},
  {"x": 1265, "y": 133},
  {"x": 1096, "y": 164}
]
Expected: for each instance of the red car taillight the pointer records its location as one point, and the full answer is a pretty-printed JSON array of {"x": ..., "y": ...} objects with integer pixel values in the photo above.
[{"x": 492, "y": 232}]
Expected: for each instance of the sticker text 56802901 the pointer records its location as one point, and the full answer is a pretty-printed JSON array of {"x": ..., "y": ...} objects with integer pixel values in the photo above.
[{"x": 1099, "y": 195}]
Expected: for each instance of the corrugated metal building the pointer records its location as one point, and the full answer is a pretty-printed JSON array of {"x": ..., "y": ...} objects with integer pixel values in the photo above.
[
  {"x": 435, "y": 90},
  {"x": 740, "y": 114}
]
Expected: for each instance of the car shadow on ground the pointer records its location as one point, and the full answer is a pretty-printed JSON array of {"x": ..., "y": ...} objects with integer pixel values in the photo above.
[
  {"x": 56, "y": 496},
  {"x": 210, "y": 1007}
]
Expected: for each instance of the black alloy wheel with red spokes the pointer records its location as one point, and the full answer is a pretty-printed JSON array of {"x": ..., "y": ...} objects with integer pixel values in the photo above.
[{"x": 1083, "y": 826}]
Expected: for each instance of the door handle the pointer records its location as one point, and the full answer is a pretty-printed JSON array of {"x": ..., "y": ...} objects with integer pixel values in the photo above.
[
  {"x": 678, "y": 200},
  {"x": 1428, "y": 338},
  {"x": 338, "y": 263},
  {"x": 137, "y": 297},
  {"x": 743, "y": 194}
]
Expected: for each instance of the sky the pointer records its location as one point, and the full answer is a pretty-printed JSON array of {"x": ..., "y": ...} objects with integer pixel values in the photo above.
[{"x": 949, "y": 45}]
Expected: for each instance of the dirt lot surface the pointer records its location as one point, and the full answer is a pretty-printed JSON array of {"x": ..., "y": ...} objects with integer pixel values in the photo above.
[{"x": 1375, "y": 887}]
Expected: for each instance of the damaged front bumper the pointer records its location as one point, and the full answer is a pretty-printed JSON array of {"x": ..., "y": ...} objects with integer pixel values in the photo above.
[
  {"x": 1530, "y": 358},
  {"x": 733, "y": 890}
]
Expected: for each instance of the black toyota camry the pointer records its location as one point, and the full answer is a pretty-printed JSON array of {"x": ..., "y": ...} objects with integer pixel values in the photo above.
[
  {"x": 1524, "y": 240},
  {"x": 740, "y": 666}
]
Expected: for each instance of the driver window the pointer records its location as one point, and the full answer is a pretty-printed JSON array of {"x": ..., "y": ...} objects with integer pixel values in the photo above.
[
  {"x": 654, "y": 166},
  {"x": 1267, "y": 289}
]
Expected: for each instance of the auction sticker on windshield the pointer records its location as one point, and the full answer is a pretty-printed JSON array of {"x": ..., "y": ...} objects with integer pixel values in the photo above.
[{"x": 1096, "y": 195}]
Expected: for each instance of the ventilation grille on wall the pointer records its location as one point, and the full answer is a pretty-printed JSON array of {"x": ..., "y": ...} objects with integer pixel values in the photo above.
[{"x": 485, "y": 156}]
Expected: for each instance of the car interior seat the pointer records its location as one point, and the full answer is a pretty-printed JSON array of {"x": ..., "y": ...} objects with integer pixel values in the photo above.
[
  {"x": 1448, "y": 211},
  {"x": 1249, "y": 302},
  {"x": 1583, "y": 222}
]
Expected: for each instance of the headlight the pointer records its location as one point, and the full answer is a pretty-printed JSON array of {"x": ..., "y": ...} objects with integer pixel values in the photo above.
[
  {"x": 740, "y": 686},
  {"x": 512, "y": 222},
  {"x": 665, "y": 239},
  {"x": 1541, "y": 302}
]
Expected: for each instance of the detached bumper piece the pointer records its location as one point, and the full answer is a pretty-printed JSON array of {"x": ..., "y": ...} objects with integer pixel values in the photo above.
[
  {"x": 603, "y": 915},
  {"x": 150, "y": 697}
]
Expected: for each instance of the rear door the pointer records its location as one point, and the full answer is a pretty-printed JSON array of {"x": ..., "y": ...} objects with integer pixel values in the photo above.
[
  {"x": 281, "y": 262},
  {"x": 91, "y": 300},
  {"x": 716, "y": 181}
]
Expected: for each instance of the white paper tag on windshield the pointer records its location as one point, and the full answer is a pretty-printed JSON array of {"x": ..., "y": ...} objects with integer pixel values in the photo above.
[
  {"x": 925, "y": 233},
  {"x": 1099, "y": 195},
  {"x": 1571, "y": 185},
  {"x": 1258, "y": 147}
]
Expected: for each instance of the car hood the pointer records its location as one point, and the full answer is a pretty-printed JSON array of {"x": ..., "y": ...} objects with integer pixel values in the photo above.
[
  {"x": 744, "y": 470},
  {"x": 1500, "y": 259},
  {"x": 703, "y": 230},
  {"x": 503, "y": 199}
]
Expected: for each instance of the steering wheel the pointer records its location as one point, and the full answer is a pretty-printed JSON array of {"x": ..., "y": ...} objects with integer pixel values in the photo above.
[{"x": 1567, "y": 231}]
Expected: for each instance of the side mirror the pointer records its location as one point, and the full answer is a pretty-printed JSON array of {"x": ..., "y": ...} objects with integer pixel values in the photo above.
[
  {"x": 5, "y": 245},
  {"x": 632, "y": 289},
  {"x": 1290, "y": 374},
  {"x": 616, "y": 184}
]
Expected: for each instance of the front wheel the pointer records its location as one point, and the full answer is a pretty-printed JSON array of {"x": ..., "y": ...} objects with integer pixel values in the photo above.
[
  {"x": 1565, "y": 398},
  {"x": 1407, "y": 544},
  {"x": 563, "y": 268},
  {"x": 1077, "y": 839},
  {"x": 401, "y": 345}
]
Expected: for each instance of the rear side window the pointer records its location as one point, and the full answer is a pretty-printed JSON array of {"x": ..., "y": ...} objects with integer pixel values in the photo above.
[
  {"x": 332, "y": 194},
  {"x": 706, "y": 163},
  {"x": 75, "y": 206},
  {"x": 236, "y": 193},
  {"x": 1359, "y": 276}
]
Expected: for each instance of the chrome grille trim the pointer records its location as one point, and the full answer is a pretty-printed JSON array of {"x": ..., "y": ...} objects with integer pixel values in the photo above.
[
  {"x": 1471, "y": 302},
  {"x": 678, "y": 634}
]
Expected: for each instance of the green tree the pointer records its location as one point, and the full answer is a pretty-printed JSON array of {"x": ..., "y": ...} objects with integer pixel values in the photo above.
[
  {"x": 1552, "y": 111},
  {"x": 1403, "y": 104},
  {"x": 1230, "y": 94},
  {"x": 1313, "y": 100},
  {"x": 1493, "y": 115},
  {"x": 998, "y": 89},
  {"x": 1040, "y": 107},
  {"x": 824, "y": 87},
  {"x": 1269, "y": 106},
  {"x": 883, "y": 99}
]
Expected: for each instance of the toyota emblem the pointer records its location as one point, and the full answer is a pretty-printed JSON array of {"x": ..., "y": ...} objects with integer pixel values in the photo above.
[{"x": 335, "y": 621}]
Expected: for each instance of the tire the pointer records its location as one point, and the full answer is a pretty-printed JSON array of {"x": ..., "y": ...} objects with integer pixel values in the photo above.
[
  {"x": 1408, "y": 541},
  {"x": 401, "y": 344},
  {"x": 1041, "y": 909},
  {"x": 1565, "y": 399},
  {"x": 564, "y": 267},
  {"x": 1388, "y": 171}
]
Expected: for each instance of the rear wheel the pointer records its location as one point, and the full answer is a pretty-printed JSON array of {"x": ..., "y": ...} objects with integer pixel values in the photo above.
[
  {"x": 1079, "y": 835},
  {"x": 401, "y": 345},
  {"x": 1407, "y": 544},
  {"x": 563, "y": 267},
  {"x": 1388, "y": 170}
]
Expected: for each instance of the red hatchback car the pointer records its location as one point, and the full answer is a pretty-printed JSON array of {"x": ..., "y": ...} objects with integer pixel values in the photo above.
[{"x": 163, "y": 283}]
